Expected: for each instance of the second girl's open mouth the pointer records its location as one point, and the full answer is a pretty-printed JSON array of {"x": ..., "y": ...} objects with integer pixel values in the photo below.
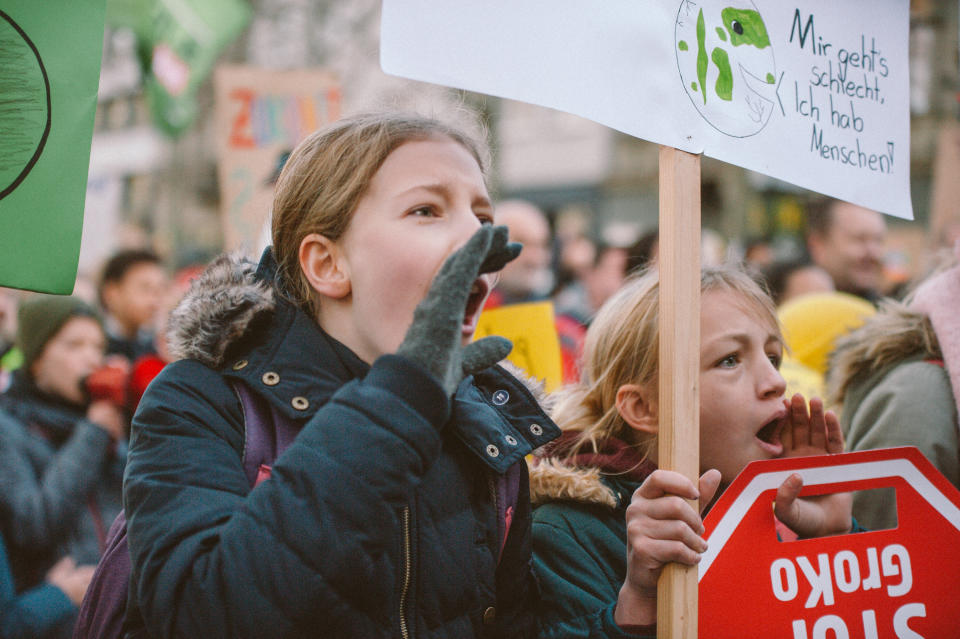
[{"x": 769, "y": 436}]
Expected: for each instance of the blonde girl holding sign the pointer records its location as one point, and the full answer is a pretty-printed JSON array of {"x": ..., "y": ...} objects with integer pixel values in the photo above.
[{"x": 607, "y": 519}]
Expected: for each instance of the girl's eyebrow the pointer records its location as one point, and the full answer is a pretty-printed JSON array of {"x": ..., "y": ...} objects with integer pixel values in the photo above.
[
  {"x": 744, "y": 338},
  {"x": 442, "y": 190},
  {"x": 435, "y": 187}
]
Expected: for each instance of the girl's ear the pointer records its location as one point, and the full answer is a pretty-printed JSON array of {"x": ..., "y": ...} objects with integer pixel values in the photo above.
[
  {"x": 638, "y": 408},
  {"x": 323, "y": 264}
]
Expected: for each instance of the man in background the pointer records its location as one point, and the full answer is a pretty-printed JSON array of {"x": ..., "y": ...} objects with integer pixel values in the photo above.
[
  {"x": 528, "y": 278},
  {"x": 847, "y": 241},
  {"x": 131, "y": 291},
  {"x": 605, "y": 274}
]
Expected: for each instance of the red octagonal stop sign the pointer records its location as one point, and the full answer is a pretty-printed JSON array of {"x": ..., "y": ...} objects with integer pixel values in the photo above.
[{"x": 899, "y": 583}]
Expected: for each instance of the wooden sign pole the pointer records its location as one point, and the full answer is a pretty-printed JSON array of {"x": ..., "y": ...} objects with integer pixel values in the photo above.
[{"x": 679, "y": 410}]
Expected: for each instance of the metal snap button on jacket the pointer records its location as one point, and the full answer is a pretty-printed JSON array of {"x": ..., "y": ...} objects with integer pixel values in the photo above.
[
  {"x": 536, "y": 429},
  {"x": 240, "y": 364},
  {"x": 300, "y": 403},
  {"x": 501, "y": 397},
  {"x": 493, "y": 451},
  {"x": 270, "y": 378}
]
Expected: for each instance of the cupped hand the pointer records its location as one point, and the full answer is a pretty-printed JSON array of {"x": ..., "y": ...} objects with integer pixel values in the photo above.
[
  {"x": 816, "y": 432},
  {"x": 433, "y": 339},
  {"x": 813, "y": 432}
]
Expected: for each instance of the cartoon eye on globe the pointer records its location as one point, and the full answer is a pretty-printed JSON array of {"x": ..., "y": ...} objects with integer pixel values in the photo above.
[
  {"x": 24, "y": 105},
  {"x": 726, "y": 64}
]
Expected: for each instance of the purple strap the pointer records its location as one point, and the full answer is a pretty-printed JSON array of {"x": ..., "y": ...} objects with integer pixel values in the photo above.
[
  {"x": 110, "y": 583},
  {"x": 267, "y": 432},
  {"x": 102, "y": 614}
]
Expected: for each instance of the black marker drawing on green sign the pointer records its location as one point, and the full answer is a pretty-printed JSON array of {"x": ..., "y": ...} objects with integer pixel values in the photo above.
[
  {"x": 732, "y": 77},
  {"x": 24, "y": 105}
]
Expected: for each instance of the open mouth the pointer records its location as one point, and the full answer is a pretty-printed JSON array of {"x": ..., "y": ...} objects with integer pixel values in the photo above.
[
  {"x": 478, "y": 293},
  {"x": 769, "y": 436}
]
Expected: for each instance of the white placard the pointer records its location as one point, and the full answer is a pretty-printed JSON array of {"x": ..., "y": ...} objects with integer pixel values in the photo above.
[{"x": 814, "y": 94}]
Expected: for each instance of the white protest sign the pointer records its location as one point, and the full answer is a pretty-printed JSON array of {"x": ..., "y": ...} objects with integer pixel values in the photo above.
[{"x": 813, "y": 93}]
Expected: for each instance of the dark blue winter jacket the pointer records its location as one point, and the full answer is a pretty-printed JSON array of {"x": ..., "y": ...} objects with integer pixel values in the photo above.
[{"x": 388, "y": 516}]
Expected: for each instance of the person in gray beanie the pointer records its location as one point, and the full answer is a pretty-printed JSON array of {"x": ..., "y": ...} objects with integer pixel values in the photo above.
[
  {"x": 41, "y": 318},
  {"x": 62, "y": 453}
]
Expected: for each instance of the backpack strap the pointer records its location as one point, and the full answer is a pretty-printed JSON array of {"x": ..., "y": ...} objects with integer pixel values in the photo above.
[
  {"x": 104, "y": 605},
  {"x": 267, "y": 433},
  {"x": 104, "y": 612}
]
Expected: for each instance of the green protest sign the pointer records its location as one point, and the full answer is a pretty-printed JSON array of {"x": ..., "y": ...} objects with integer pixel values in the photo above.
[
  {"x": 186, "y": 38},
  {"x": 49, "y": 70}
]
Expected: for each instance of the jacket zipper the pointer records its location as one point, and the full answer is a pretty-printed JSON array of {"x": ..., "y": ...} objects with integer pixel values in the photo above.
[
  {"x": 407, "y": 566},
  {"x": 494, "y": 497}
]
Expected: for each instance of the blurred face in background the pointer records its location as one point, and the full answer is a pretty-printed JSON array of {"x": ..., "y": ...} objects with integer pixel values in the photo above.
[
  {"x": 851, "y": 250},
  {"x": 75, "y": 351},
  {"x": 806, "y": 280},
  {"x": 529, "y": 275},
  {"x": 135, "y": 299},
  {"x": 607, "y": 276}
]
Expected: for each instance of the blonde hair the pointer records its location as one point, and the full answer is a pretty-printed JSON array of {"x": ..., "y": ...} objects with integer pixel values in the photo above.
[
  {"x": 622, "y": 347},
  {"x": 328, "y": 173}
]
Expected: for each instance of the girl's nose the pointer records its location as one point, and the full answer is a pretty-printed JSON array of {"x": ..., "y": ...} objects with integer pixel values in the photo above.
[
  {"x": 772, "y": 383},
  {"x": 466, "y": 225}
]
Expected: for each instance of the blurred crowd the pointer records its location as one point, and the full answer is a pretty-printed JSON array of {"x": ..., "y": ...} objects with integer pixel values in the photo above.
[{"x": 72, "y": 371}]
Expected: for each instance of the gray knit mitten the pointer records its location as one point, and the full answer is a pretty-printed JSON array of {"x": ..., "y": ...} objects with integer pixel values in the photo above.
[{"x": 433, "y": 339}]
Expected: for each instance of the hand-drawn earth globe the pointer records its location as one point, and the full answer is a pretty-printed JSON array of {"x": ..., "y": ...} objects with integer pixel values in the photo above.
[
  {"x": 24, "y": 105},
  {"x": 726, "y": 64}
]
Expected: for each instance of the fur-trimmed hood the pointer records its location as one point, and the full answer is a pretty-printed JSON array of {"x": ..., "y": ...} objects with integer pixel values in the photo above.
[
  {"x": 893, "y": 335},
  {"x": 577, "y": 468},
  {"x": 552, "y": 480},
  {"x": 926, "y": 326},
  {"x": 219, "y": 307}
]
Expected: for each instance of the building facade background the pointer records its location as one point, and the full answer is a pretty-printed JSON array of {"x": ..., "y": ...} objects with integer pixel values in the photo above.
[{"x": 149, "y": 189}]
